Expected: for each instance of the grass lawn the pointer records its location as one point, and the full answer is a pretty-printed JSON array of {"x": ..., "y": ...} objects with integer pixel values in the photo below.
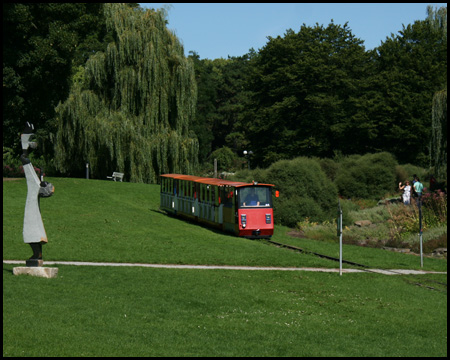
[
  {"x": 105, "y": 311},
  {"x": 97, "y": 311}
]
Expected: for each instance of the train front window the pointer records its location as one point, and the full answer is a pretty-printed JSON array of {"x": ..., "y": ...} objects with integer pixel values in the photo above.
[{"x": 255, "y": 196}]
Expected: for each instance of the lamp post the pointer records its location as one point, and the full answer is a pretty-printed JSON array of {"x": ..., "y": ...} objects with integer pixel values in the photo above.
[{"x": 247, "y": 155}]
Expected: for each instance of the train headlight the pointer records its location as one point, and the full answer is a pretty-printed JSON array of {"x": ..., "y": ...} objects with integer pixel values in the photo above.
[
  {"x": 244, "y": 220},
  {"x": 268, "y": 219}
]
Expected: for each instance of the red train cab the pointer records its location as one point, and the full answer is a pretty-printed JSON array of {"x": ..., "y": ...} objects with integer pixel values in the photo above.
[
  {"x": 255, "y": 212},
  {"x": 244, "y": 209}
]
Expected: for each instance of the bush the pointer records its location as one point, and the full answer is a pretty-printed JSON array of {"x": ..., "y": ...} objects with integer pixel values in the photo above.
[
  {"x": 330, "y": 167},
  {"x": 412, "y": 170},
  {"x": 257, "y": 174},
  {"x": 434, "y": 207},
  {"x": 13, "y": 168},
  {"x": 226, "y": 158},
  {"x": 371, "y": 176},
  {"x": 401, "y": 174},
  {"x": 17, "y": 172}
]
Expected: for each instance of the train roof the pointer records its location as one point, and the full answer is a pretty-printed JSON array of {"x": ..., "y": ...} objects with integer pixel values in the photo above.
[{"x": 212, "y": 181}]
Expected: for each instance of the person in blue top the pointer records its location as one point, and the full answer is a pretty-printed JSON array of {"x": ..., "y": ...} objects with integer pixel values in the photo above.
[{"x": 418, "y": 187}]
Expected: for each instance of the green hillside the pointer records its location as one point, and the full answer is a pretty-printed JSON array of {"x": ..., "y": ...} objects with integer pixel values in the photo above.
[
  {"x": 106, "y": 311},
  {"x": 92, "y": 220}
]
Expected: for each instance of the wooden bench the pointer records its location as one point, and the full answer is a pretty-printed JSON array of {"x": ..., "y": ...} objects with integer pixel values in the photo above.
[{"x": 116, "y": 176}]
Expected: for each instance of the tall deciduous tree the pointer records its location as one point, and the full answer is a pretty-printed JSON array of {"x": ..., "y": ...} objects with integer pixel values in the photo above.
[
  {"x": 207, "y": 80},
  {"x": 306, "y": 88},
  {"x": 222, "y": 99},
  {"x": 132, "y": 108},
  {"x": 409, "y": 70}
]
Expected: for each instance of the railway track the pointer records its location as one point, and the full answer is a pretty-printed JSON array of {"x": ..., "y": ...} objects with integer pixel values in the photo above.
[
  {"x": 295, "y": 248},
  {"x": 365, "y": 267}
]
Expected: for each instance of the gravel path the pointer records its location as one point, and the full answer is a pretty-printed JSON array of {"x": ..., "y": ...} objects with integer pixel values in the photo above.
[{"x": 229, "y": 267}]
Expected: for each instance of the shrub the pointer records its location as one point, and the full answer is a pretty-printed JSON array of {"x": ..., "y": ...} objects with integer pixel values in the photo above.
[
  {"x": 404, "y": 220},
  {"x": 412, "y": 170},
  {"x": 17, "y": 172},
  {"x": 429, "y": 246},
  {"x": 226, "y": 158},
  {"x": 289, "y": 210},
  {"x": 257, "y": 174},
  {"x": 434, "y": 207},
  {"x": 401, "y": 174},
  {"x": 370, "y": 176},
  {"x": 330, "y": 167},
  {"x": 13, "y": 168},
  {"x": 347, "y": 207}
]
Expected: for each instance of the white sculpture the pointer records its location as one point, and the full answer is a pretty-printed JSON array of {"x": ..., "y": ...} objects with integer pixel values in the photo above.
[{"x": 33, "y": 227}]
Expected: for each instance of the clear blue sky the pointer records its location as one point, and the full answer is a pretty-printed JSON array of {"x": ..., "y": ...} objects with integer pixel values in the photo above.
[{"x": 219, "y": 30}]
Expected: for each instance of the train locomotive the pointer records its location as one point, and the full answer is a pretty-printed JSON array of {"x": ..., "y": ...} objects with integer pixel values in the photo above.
[{"x": 243, "y": 209}]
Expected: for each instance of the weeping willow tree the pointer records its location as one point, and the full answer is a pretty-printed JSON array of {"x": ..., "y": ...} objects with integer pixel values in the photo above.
[
  {"x": 131, "y": 108},
  {"x": 439, "y": 134},
  {"x": 438, "y": 19}
]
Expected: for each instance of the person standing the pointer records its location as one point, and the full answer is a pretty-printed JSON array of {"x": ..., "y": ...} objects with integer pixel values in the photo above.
[
  {"x": 418, "y": 187},
  {"x": 406, "y": 196}
]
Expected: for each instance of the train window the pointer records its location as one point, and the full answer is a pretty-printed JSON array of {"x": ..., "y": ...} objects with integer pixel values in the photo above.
[
  {"x": 255, "y": 196},
  {"x": 227, "y": 196}
]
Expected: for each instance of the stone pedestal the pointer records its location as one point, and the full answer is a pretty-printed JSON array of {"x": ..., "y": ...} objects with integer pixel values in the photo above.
[{"x": 45, "y": 272}]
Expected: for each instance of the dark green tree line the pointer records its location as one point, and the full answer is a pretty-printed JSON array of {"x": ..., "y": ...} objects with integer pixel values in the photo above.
[
  {"x": 318, "y": 92},
  {"x": 315, "y": 92}
]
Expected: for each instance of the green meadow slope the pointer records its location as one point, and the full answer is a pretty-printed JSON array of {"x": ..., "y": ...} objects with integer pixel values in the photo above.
[
  {"x": 93, "y": 220},
  {"x": 135, "y": 311}
]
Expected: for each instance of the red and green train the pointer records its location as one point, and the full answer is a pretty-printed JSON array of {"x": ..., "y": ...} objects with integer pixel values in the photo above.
[{"x": 243, "y": 209}]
